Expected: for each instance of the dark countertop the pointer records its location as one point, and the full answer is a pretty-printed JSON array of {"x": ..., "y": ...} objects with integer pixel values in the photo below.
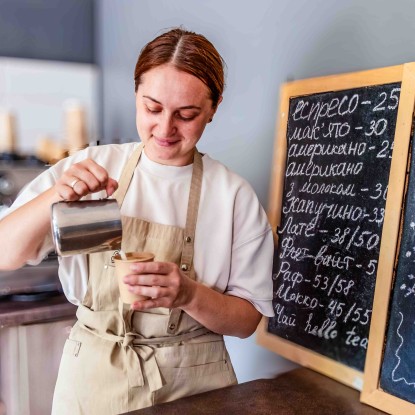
[
  {"x": 15, "y": 313},
  {"x": 299, "y": 392}
]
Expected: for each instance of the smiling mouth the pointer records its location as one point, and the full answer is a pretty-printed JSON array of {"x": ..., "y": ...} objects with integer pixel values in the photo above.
[{"x": 165, "y": 143}]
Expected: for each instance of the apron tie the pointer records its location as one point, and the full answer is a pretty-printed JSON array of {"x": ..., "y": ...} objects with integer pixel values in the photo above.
[
  {"x": 134, "y": 369},
  {"x": 134, "y": 352},
  {"x": 151, "y": 368},
  {"x": 131, "y": 353},
  {"x": 131, "y": 361},
  {"x": 127, "y": 339}
]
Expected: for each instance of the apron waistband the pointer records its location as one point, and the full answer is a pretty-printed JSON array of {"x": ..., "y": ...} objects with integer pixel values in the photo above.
[
  {"x": 172, "y": 339},
  {"x": 134, "y": 347}
]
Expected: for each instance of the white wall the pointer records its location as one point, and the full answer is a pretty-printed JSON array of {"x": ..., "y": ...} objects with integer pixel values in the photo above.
[
  {"x": 38, "y": 92},
  {"x": 265, "y": 43}
]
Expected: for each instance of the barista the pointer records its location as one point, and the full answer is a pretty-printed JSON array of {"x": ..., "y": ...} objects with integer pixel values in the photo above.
[{"x": 212, "y": 242}]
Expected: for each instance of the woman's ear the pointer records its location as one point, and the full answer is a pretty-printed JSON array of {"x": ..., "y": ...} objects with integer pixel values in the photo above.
[{"x": 215, "y": 108}]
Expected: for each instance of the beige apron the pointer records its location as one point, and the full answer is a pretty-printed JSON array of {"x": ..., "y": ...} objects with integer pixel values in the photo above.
[{"x": 117, "y": 360}]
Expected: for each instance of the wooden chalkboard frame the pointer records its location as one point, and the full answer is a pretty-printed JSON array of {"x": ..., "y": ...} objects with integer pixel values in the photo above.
[
  {"x": 372, "y": 394},
  {"x": 401, "y": 73}
]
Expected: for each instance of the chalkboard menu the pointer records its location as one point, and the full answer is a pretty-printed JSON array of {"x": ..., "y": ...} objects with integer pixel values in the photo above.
[
  {"x": 398, "y": 366},
  {"x": 336, "y": 179},
  {"x": 337, "y": 189},
  {"x": 338, "y": 182}
]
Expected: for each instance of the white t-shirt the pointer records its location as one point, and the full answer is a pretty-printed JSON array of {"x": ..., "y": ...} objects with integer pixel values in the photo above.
[{"x": 233, "y": 240}]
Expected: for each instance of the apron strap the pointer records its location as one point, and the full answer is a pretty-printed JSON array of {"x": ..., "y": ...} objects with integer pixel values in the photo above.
[
  {"x": 119, "y": 196},
  {"x": 127, "y": 174},
  {"x": 186, "y": 262}
]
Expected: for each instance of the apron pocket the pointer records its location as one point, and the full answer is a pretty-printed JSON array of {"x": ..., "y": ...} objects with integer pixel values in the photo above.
[
  {"x": 191, "y": 354},
  {"x": 91, "y": 381},
  {"x": 186, "y": 381}
]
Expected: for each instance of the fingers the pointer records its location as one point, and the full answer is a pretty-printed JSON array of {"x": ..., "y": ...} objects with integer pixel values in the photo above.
[
  {"x": 92, "y": 177},
  {"x": 83, "y": 178},
  {"x": 69, "y": 188},
  {"x": 162, "y": 282},
  {"x": 151, "y": 303},
  {"x": 154, "y": 267},
  {"x": 148, "y": 280},
  {"x": 111, "y": 187},
  {"x": 154, "y": 274},
  {"x": 153, "y": 292},
  {"x": 157, "y": 295}
]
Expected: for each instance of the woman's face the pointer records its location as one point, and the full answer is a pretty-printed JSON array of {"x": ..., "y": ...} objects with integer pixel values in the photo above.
[{"x": 173, "y": 108}]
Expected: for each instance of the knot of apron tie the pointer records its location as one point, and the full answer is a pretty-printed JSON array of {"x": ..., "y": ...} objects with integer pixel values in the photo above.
[
  {"x": 127, "y": 339},
  {"x": 131, "y": 352},
  {"x": 131, "y": 359}
]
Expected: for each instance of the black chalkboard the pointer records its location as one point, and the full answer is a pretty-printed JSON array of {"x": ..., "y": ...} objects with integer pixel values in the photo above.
[
  {"x": 339, "y": 147},
  {"x": 398, "y": 366}
]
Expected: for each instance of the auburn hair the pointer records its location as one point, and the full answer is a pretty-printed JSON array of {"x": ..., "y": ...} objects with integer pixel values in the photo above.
[{"x": 187, "y": 51}]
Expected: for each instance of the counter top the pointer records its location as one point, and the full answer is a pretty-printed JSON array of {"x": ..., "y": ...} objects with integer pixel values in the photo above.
[
  {"x": 15, "y": 313},
  {"x": 301, "y": 391}
]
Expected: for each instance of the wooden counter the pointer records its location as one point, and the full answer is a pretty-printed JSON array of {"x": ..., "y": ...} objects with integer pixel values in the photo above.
[
  {"x": 15, "y": 313},
  {"x": 299, "y": 392}
]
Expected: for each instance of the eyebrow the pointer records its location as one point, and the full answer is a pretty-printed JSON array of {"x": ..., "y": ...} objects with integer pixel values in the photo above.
[{"x": 186, "y": 107}]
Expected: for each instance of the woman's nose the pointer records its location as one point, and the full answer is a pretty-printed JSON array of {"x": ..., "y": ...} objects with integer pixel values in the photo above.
[{"x": 165, "y": 126}]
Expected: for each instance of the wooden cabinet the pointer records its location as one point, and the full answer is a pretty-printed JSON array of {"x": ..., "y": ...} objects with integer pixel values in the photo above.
[{"x": 29, "y": 362}]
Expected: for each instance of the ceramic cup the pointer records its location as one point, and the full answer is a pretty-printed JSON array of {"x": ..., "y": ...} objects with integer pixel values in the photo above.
[{"x": 122, "y": 268}]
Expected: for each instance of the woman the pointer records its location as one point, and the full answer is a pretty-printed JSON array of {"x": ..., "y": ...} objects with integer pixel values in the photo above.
[{"x": 213, "y": 245}]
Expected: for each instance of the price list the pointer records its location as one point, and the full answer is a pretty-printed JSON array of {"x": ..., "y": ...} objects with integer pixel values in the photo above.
[{"x": 339, "y": 150}]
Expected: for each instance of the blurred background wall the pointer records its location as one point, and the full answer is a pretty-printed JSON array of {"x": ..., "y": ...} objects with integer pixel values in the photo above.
[
  {"x": 47, "y": 68},
  {"x": 264, "y": 43},
  {"x": 48, "y": 29}
]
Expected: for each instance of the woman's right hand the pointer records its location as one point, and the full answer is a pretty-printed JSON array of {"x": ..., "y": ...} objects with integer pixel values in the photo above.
[{"x": 83, "y": 178}]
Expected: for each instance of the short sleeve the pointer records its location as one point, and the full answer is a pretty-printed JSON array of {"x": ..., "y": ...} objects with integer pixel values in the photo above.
[
  {"x": 252, "y": 253},
  {"x": 251, "y": 274}
]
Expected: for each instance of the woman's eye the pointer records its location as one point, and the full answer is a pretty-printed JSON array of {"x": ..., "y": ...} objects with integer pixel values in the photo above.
[
  {"x": 186, "y": 117},
  {"x": 153, "y": 110}
]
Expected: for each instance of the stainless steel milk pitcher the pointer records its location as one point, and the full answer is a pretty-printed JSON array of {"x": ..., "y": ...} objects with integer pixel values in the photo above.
[{"x": 85, "y": 227}]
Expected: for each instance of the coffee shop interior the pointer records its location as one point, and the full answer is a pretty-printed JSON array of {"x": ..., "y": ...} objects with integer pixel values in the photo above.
[{"x": 66, "y": 82}]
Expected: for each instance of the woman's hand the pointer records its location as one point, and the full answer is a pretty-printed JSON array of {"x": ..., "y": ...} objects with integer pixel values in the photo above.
[
  {"x": 166, "y": 286},
  {"x": 83, "y": 178},
  {"x": 26, "y": 235},
  {"x": 163, "y": 282}
]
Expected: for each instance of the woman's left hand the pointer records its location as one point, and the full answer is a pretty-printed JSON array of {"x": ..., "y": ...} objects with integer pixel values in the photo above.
[
  {"x": 167, "y": 286},
  {"x": 163, "y": 282}
]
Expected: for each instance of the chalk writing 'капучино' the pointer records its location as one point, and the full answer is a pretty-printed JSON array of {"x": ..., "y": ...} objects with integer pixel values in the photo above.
[{"x": 339, "y": 149}]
